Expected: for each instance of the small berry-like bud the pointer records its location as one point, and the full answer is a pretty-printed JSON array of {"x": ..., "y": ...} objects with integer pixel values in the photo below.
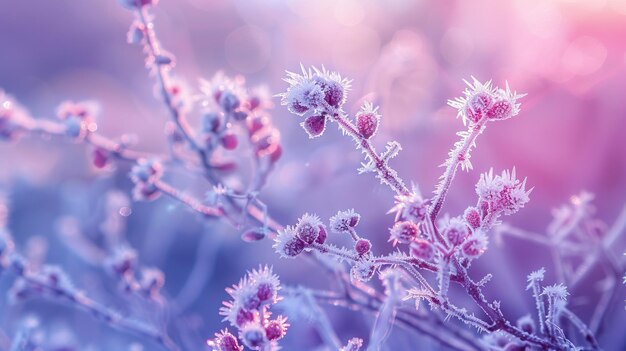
[
  {"x": 367, "y": 120},
  {"x": 287, "y": 244},
  {"x": 100, "y": 158},
  {"x": 403, "y": 232},
  {"x": 229, "y": 140},
  {"x": 256, "y": 123},
  {"x": 225, "y": 341},
  {"x": 314, "y": 126},
  {"x": 502, "y": 109},
  {"x": 321, "y": 238},
  {"x": 472, "y": 217},
  {"x": 422, "y": 249},
  {"x": 276, "y": 328},
  {"x": 475, "y": 245},
  {"x": 276, "y": 154},
  {"x": 527, "y": 324},
  {"x": 211, "y": 122},
  {"x": 343, "y": 221},
  {"x": 363, "y": 270},
  {"x": 455, "y": 231},
  {"x": 253, "y": 336},
  {"x": 229, "y": 102},
  {"x": 307, "y": 228},
  {"x": 136, "y": 33},
  {"x": 362, "y": 246},
  {"x": 145, "y": 192}
]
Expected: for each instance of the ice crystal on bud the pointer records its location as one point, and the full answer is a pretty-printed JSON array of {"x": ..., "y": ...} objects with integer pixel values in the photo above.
[
  {"x": 225, "y": 341},
  {"x": 287, "y": 244},
  {"x": 422, "y": 249},
  {"x": 482, "y": 100},
  {"x": 314, "y": 125},
  {"x": 403, "y": 232},
  {"x": 253, "y": 336},
  {"x": 412, "y": 207},
  {"x": 344, "y": 221},
  {"x": 363, "y": 270},
  {"x": 475, "y": 245},
  {"x": 367, "y": 120},
  {"x": 362, "y": 246},
  {"x": 314, "y": 90},
  {"x": 501, "y": 193},
  {"x": 454, "y": 230}
]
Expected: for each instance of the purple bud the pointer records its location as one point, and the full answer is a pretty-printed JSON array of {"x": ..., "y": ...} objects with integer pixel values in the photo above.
[
  {"x": 367, "y": 124},
  {"x": 229, "y": 140},
  {"x": 362, "y": 246},
  {"x": 252, "y": 235},
  {"x": 422, "y": 249},
  {"x": 314, "y": 126}
]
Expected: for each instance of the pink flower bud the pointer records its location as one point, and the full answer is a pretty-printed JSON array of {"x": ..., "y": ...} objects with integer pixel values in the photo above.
[
  {"x": 472, "y": 217},
  {"x": 321, "y": 238},
  {"x": 276, "y": 154},
  {"x": 367, "y": 124},
  {"x": 501, "y": 109},
  {"x": 243, "y": 317},
  {"x": 475, "y": 245},
  {"x": 276, "y": 329},
  {"x": 362, "y": 246},
  {"x": 363, "y": 270},
  {"x": 455, "y": 231},
  {"x": 422, "y": 249},
  {"x": 307, "y": 228},
  {"x": 253, "y": 336},
  {"x": 229, "y": 140},
  {"x": 314, "y": 126},
  {"x": 100, "y": 157},
  {"x": 403, "y": 232},
  {"x": 256, "y": 123}
]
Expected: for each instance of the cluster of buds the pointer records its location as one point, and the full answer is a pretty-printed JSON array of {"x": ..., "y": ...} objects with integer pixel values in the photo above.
[
  {"x": 484, "y": 102},
  {"x": 248, "y": 312},
  {"x": 497, "y": 195},
  {"x": 145, "y": 174},
  {"x": 316, "y": 94},
  {"x": 226, "y": 103},
  {"x": 46, "y": 281},
  {"x": 123, "y": 264},
  {"x": 293, "y": 240},
  {"x": 310, "y": 234},
  {"x": 78, "y": 119}
]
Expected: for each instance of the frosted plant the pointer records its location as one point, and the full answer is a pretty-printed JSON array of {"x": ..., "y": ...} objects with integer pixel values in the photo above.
[
  {"x": 249, "y": 312},
  {"x": 212, "y": 132},
  {"x": 446, "y": 247}
]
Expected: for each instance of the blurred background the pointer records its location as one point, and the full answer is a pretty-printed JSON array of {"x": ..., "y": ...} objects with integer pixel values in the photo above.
[{"x": 409, "y": 56}]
